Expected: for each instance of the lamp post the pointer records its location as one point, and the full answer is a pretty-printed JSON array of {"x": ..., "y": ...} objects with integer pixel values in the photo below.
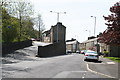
[
  {"x": 57, "y": 21},
  {"x": 89, "y": 32},
  {"x": 58, "y": 14},
  {"x": 94, "y": 24}
]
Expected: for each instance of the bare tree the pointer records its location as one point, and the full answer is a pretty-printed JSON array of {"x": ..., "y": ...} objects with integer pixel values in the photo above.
[
  {"x": 20, "y": 9},
  {"x": 39, "y": 25}
]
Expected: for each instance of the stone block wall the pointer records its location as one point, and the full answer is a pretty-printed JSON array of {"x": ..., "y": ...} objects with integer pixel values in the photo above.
[
  {"x": 10, "y": 47},
  {"x": 51, "y": 50}
]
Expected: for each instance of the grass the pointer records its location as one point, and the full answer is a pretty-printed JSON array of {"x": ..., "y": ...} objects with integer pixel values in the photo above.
[{"x": 116, "y": 59}]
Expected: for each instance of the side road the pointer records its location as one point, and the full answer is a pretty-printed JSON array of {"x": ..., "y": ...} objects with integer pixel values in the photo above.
[{"x": 106, "y": 67}]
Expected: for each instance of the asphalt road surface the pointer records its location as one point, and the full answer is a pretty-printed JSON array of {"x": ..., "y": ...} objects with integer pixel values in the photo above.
[{"x": 65, "y": 66}]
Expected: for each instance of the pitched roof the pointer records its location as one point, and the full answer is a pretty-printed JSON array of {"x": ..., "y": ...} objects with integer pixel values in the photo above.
[
  {"x": 95, "y": 39},
  {"x": 72, "y": 42}
]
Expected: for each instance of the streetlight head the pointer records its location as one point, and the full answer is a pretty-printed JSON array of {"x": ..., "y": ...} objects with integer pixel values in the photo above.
[
  {"x": 91, "y": 16},
  {"x": 50, "y": 11}
]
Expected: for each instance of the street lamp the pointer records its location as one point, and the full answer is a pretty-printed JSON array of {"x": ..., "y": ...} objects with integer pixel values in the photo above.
[
  {"x": 58, "y": 21},
  {"x": 89, "y": 32},
  {"x": 58, "y": 14},
  {"x": 94, "y": 24}
]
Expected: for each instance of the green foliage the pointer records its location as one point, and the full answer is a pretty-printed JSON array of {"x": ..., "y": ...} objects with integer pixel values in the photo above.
[
  {"x": 16, "y": 22},
  {"x": 0, "y": 24},
  {"x": 114, "y": 59},
  {"x": 9, "y": 27},
  {"x": 28, "y": 30}
]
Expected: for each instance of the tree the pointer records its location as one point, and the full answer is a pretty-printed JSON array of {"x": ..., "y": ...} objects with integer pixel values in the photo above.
[
  {"x": 9, "y": 29},
  {"x": 39, "y": 26},
  {"x": 20, "y": 9},
  {"x": 0, "y": 24},
  {"x": 16, "y": 21},
  {"x": 29, "y": 31},
  {"x": 3, "y": 3},
  {"x": 111, "y": 35}
]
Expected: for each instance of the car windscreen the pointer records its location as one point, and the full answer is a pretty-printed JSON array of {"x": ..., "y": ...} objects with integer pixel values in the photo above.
[{"x": 92, "y": 52}]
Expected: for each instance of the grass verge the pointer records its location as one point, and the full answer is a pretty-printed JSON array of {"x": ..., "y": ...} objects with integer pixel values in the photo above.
[{"x": 116, "y": 59}]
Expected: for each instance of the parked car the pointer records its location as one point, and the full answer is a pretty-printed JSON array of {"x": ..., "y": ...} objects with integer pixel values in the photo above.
[
  {"x": 33, "y": 39},
  {"x": 68, "y": 51},
  {"x": 83, "y": 51},
  {"x": 91, "y": 55},
  {"x": 78, "y": 51}
]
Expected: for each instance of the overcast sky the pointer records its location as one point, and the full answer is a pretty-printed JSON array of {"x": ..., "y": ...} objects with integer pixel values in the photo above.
[{"x": 78, "y": 15}]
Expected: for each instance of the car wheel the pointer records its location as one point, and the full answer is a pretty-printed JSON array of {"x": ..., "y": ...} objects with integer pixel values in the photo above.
[{"x": 96, "y": 60}]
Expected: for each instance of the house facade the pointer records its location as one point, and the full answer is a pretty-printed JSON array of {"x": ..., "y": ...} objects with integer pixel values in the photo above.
[
  {"x": 72, "y": 45},
  {"x": 56, "y": 37},
  {"x": 93, "y": 44},
  {"x": 47, "y": 36},
  {"x": 89, "y": 44},
  {"x": 57, "y": 33}
]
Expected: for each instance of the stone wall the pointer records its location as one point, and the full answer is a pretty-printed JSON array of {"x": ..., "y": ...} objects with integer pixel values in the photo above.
[
  {"x": 10, "y": 47},
  {"x": 51, "y": 50},
  {"x": 114, "y": 51}
]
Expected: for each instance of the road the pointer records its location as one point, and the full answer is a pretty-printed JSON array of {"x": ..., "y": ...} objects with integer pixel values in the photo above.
[{"x": 65, "y": 66}]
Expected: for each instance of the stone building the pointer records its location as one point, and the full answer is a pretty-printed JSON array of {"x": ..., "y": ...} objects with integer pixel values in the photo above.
[
  {"x": 89, "y": 44},
  {"x": 47, "y": 36},
  {"x": 57, "y": 33},
  {"x": 72, "y": 45},
  {"x": 93, "y": 44},
  {"x": 56, "y": 37}
]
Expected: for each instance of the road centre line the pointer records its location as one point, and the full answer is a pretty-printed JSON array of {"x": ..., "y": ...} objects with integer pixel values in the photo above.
[{"x": 98, "y": 72}]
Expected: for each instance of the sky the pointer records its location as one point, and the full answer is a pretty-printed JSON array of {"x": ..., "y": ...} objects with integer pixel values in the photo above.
[{"x": 78, "y": 21}]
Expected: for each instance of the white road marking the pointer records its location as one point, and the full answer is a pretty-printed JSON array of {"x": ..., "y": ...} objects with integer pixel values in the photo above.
[
  {"x": 83, "y": 77},
  {"x": 95, "y": 63},
  {"x": 99, "y": 72},
  {"x": 78, "y": 71},
  {"x": 64, "y": 74},
  {"x": 110, "y": 63}
]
